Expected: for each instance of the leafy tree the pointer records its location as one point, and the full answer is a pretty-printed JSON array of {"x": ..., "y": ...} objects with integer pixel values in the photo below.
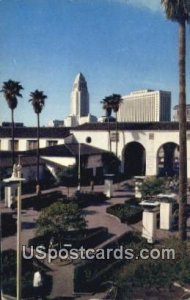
[
  {"x": 67, "y": 176},
  {"x": 38, "y": 102},
  {"x": 11, "y": 90},
  {"x": 58, "y": 218},
  {"x": 178, "y": 11}
]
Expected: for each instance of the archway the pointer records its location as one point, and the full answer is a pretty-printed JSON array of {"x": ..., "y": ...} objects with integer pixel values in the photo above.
[
  {"x": 168, "y": 159},
  {"x": 134, "y": 160}
]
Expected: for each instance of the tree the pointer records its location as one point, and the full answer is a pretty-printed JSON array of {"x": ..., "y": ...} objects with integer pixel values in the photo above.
[
  {"x": 67, "y": 176},
  {"x": 115, "y": 104},
  {"x": 176, "y": 10},
  {"x": 108, "y": 109},
  {"x": 152, "y": 187},
  {"x": 11, "y": 90},
  {"x": 58, "y": 218},
  {"x": 38, "y": 102}
]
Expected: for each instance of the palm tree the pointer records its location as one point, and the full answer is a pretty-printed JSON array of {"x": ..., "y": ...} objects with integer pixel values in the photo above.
[
  {"x": 115, "y": 104},
  {"x": 11, "y": 90},
  {"x": 108, "y": 109},
  {"x": 176, "y": 10},
  {"x": 38, "y": 102}
]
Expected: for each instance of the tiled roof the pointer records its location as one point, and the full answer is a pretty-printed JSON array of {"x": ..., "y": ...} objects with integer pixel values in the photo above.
[
  {"x": 130, "y": 126},
  {"x": 31, "y": 132},
  {"x": 6, "y": 161},
  {"x": 29, "y": 157},
  {"x": 70, "y": 150}
]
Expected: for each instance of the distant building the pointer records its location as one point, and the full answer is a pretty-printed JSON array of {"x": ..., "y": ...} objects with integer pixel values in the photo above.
[
  {"x": 104, "y": 119},
  {"x": 145, "y": 106},
  {"x": 80, "y": 111},
  {"x": 176, "y": 113},
  {"x": 9, "y": 124},
  {"x": 55, "y": 123}
]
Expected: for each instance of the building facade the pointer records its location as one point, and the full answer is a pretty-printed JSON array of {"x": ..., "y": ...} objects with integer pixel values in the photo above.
[
  {"x": 148, "y": 149},
  {"x": 145, "y": 106},
  {"x": 176, "y": 113}
]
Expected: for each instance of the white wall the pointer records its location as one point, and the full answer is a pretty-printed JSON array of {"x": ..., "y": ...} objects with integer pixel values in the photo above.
[
  {"x": 100, "y": 139},
  {"x": 64, "y": 161},
  {"x": 23, "y": 143}
]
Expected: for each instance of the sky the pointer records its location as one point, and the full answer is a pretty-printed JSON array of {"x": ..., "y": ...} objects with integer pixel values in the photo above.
[{"x": 119, "y": 45}]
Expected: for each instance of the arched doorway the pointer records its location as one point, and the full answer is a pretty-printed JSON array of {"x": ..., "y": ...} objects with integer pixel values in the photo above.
[
  {"x": 168, "y": 159},
  {"x": 134, "y": 160}
]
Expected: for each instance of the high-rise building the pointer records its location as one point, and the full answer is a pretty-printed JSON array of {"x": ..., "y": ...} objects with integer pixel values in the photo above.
[
  {"x": 80, "y": 97},
  {"x": 145, "y": 106},
  {"x": 79, "y": 111},
  {"x": 176, "y": 113}
]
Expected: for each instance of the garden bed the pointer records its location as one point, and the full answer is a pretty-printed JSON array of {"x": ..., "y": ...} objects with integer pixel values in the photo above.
[
  {"x": 8, "y": 270},
  {"x": 8, "y": 224},
  {"x": 88, "y": 238},
  {"x": 129, "y": 212},
  {"x": 42, "y": 201},
  {"x": 85, "y": 199}
]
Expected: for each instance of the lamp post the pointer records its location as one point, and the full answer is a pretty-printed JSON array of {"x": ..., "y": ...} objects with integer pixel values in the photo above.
[
  {"x": 16, "y": 178},
  {"x": 79, "y": 162}
]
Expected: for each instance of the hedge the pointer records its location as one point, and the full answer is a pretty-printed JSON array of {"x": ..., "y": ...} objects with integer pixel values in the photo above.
[
  {"x": 8, "y": 271},
  {"x": 42, "y": 201},
  {"x": 84, "y": 199},
  {"x": 8, "y": 224},
  {"x": 87, "y": 238},
  {"x": 127, "y": 213},
  {"x": 89, "y": 274}
]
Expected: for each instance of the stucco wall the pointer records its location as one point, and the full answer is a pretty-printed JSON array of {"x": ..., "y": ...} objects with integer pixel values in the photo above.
[{"x": 100, "y": 139}]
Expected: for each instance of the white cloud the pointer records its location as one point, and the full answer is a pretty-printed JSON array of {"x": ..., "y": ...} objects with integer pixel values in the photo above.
[{"x": 153, "y": 5}]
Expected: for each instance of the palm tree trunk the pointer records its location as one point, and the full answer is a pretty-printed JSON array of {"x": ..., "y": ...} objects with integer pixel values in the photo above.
[
  {"x": 182, "y": 133},
  {"x": 109, "y": 133},
  {"x": 116, "y": 135},
  {"x": 13, "y": 137},
  {"x": 38, "y": 155}
]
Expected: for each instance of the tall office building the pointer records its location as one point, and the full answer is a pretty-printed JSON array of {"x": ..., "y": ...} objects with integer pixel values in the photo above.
[
  {"x": 145, "y": 106},
  {"x": 79, "y": 111}
]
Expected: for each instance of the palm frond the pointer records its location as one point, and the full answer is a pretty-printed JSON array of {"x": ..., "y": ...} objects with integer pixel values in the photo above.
[
  {"x": 38, "y": 100},
  {"x": 177, "y": 10}
]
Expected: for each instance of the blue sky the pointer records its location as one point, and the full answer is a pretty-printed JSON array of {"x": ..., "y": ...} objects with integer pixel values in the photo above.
[{"x": 118, "y": 45}]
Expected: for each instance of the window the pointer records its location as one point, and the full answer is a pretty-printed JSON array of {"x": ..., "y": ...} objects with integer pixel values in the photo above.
[
  {"x": 51, "y": 143},
  {"x": 114, "y": 136},
  {"x": 15, "y": 145},
  {"x": 151, "y": 136},
  {"x": 32, "y": 144}
]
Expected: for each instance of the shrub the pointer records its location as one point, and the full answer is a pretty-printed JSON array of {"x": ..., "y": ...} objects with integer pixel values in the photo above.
[
  {"x": 88, "y": 238},
  {"x": 84, "y": 199},
  {"x": 127, "y": 212},
  {"x": 8, "y": 224},
  {"x": 152, "y": 186},
  {"x": 160, "y": 273},
  {"x": 60, "y": 217},
  {"x": 8, "y": 269},
  {"x": 42, "y": 201},
  {"x": 89, "y": 274}
]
